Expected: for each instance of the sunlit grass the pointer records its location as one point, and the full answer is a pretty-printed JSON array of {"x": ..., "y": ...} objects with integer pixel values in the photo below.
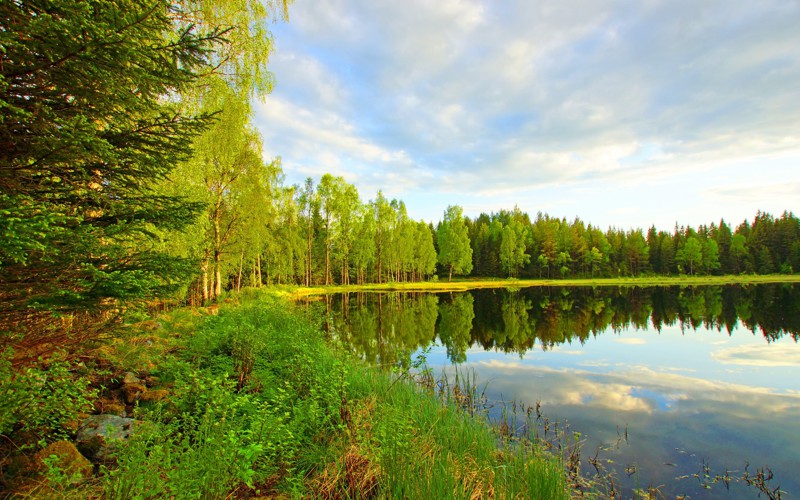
[
  {"x": 420, "y": 445},
  {"x": 472, "y": 284},
  {"x": 302, "y": 419}
]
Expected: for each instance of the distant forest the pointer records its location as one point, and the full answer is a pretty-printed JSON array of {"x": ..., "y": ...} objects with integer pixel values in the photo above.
[{"x": 331, "y": 237}]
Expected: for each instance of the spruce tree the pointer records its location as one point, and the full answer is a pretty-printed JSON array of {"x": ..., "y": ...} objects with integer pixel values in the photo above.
[{"x": 90, "y": 120}]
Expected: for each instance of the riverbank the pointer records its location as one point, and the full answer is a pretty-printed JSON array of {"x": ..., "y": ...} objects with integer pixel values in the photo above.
[
  {"x": 472, "y": 284},
  {"x": 250, "y": 400}
]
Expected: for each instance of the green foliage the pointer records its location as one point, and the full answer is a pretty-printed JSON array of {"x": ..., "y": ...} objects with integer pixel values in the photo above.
[
  {"x": 559, "y": 248},
  {"x": 455, "y": 252},
  {"x": 228, "y": 176},
  {"x": 691, "y": 254},
  {"x": 206, "y": 448},
  {"x": 82, "y": 151},
  {"x": 256, "y": 393},
  {"x": 243, "y": 59},
  {"x": 513, "y": 242},
  {"x": 42, "y": 400}
]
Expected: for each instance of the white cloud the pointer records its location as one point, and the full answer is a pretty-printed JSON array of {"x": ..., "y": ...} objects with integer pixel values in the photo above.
[
  {"x": 566, "y": 350},
  {"x": 754, "y": 192},
  {"x": 497, "y": 99},
  {"x": 630, "y": 341},
  {"x": 759, "y": 355},
  {"x": 629, "y": 388}
]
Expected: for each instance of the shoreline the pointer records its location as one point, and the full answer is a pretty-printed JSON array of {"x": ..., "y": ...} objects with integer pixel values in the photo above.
[{"x": 473, "y": 284}]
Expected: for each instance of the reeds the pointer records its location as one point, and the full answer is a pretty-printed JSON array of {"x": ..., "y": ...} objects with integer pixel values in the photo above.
[{"x": 415, "y": 437}]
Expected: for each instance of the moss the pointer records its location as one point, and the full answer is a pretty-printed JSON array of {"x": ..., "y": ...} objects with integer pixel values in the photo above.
[{"x": 64, "y": 456}]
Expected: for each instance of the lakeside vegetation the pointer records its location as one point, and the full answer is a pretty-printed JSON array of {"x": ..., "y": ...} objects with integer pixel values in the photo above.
[
  {"x": 513, "y": 283},
  {"x": 253, "y": 401}
]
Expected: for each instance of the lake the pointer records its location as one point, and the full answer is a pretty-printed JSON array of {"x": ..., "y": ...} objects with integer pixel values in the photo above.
[{"x": 686, "y": 389}]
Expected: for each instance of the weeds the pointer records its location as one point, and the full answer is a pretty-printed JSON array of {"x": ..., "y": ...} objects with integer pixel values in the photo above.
[
  {"x": 42, "y": 401},
  {"x": 261, "y": 405}
]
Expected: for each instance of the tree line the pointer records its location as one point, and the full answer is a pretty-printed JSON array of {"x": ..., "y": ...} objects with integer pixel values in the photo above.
[
  {"x": 323, "y": 233},
  {"x": 509, "y": 243}
]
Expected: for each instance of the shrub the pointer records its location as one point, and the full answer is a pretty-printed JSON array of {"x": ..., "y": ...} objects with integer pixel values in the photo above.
[{"x": 42, "y": 400}]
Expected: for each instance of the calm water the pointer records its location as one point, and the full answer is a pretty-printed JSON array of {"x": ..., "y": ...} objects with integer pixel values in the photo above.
[{"x": 696, "y": 375}]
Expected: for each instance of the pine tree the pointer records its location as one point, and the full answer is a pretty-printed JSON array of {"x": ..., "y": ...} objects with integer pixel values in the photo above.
[{"x": 90, "y": 120}]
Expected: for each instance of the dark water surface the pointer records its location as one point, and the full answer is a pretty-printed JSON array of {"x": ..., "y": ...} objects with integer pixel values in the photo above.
[{"x": 666, "y": 385}]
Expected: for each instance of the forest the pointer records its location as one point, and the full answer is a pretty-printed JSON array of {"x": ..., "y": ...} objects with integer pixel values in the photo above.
[{"x": 131, "y": 170}]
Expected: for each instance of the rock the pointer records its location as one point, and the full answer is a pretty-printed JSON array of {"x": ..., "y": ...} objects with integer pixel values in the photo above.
[
  {"x": 154, "y": 395},
  {"x": 67, "y": 459},
  {"x": 132, "y": 392},
  {"x": 116, "y": 409},
  {"x": 74, "y": 424},
  {"x": 100, "y": 435},
  {"x": 108, "y": 405},
  {"x": 130, "y": 378},
  {"x": 132, "y": 387}
]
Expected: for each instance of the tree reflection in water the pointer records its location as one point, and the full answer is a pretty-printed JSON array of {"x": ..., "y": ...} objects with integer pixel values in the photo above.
[{"x": 387, "y": 328}]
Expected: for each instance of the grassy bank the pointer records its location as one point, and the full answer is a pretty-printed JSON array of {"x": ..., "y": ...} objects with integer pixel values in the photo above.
[
  {"x": 471, "y": 284},
  {"x": 254, "y": 402}
]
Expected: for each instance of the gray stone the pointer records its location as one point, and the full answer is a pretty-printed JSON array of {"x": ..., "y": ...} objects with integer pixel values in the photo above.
[
  {"x": 130, "y": 378},
  {"x": 99, "y": 436}
]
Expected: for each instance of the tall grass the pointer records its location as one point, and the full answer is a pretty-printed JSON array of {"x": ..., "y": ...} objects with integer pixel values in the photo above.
[
  {"x": 428, "y": 443},
  {"x": 262, "y": 405}
]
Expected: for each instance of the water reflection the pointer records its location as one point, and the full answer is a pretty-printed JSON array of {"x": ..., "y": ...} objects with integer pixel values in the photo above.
[
  {"x": 455, "y": 326},
  {"x": 697, "y": 373},
  {"x": 676, "y": 422},
  {"x": 387, "y": 328}
]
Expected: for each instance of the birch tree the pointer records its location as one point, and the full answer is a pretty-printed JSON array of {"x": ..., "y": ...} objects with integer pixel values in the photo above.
[{"x": 455, "y": 252}]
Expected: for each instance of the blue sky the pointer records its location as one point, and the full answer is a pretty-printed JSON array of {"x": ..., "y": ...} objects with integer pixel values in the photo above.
[{"x": 622, "y": 113}]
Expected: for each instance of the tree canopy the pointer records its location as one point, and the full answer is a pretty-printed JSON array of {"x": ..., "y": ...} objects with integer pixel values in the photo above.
[
  {"x": 455, "y": 252},
  {"x": 87, "y": 131}
]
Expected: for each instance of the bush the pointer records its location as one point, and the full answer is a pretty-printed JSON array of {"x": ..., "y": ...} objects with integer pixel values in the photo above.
[
  {"x": 42, "y": 400},
  {"x": 257, "y": 393}
]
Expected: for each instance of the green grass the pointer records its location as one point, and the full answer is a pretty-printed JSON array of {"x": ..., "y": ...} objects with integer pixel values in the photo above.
[
  {"x": 471, "y": 284},
  {"x": 260, "y": 404},
  {"x": 424, "y": 446}
]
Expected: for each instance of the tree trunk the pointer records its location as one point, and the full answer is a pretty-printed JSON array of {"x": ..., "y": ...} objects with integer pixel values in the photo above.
[
  {"x": 239, "y": 281},
  {"x": 204, "y": 291},
  {"x": 217, "y": 276},
  {"x": 308, "y": 255},
  {"x": 328, "y": 250},
  {"x": 380, "y": 265},
  {"x": 217, "y": 249},
  {"x": 260, "y": 281}
]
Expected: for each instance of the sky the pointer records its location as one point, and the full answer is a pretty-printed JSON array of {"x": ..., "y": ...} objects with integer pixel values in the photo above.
[{"x": 622, "y": 113}]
